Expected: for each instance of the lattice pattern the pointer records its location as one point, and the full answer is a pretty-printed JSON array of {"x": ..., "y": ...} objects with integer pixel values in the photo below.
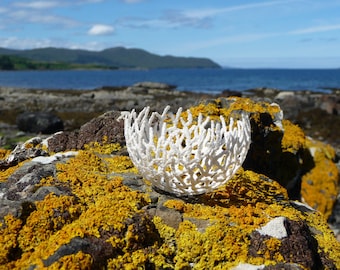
[{"x": 185, "y": 156}]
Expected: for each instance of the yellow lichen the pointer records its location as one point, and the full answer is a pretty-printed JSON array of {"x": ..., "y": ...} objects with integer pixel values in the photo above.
[
  {"x": 225, "y": 241},
  {"x": 103, "y": 148},
  {"x": 99, "y": 204},
  {"x": 215, "y": 109},
  {"x": 129, "y": 261},
  {"x": 327, "y": 243},
  {"x": 293, "y": 139},
  {"x": 232, "y": 221},
  {"x": 97, "y": 207},
  {"x": 320, "y": 186},
  {"x": 5, "y": 173},
  {"x": 78, "y": 261},
  {"x": 4, "y": 153},
  {"x": 120, "y": 164},
  {"x": 273, "y": 250},
  {"x": 8, "y": 237},
  {"x": 51, "y": 215},
  {"x": 246, "y": 187}
]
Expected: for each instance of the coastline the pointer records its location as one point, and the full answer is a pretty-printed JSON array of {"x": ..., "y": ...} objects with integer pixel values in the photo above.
[{"x": 318, "y": 114}]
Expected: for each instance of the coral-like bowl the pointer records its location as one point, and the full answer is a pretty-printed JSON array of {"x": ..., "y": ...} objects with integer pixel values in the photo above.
[{"x": 186, "y": 156}]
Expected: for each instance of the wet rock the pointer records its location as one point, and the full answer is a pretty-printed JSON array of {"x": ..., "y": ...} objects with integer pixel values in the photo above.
[{"x": 39, "y": 122}]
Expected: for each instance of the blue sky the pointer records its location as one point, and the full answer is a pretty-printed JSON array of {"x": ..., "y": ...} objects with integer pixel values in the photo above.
[{"x": 237, "y": 33}]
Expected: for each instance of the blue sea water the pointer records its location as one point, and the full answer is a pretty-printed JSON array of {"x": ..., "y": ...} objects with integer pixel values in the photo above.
[{"x": 196, "y": 80}]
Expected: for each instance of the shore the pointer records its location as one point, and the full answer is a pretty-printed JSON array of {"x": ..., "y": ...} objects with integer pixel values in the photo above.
[{"x": 318, "y": 114}]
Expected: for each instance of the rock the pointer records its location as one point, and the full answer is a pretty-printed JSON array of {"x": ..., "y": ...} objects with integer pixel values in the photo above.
[
  {"x": 106, "y": 127},
  {"x": 284, "y": 95},
  {"x": 231, "y": 93},
  {"x": 154, "y": 85},
  {"x": 330, "y": 104},
  {"x": 299, "y": 238},
  {"x": 39, "y": 122},
  {"x": 334, "y": 219},
  {"x": 24, "y": 151},
  {"x": 21, "y": 186},
  {"x": 92, "y": 208}
]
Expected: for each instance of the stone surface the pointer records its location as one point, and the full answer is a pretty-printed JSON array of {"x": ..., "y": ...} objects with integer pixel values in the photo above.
[
  {"x": 39, "y": 122},
  {"x": 106, "y": 127},
  {"x": 23, "y": 151},
  {"x": 92, "y": 208}
]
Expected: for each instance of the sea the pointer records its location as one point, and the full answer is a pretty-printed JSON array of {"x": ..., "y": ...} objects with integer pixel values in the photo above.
[{"x": 194, "y": 80}]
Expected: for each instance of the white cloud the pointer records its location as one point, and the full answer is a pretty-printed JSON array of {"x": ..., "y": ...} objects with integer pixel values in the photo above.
[
  {"x": 210, "y": 12},
  {"x": 39, "y": 17},
  {"x": 316, "y": 29},
  {"x": 100, "y": 29},
  {"x": 197, "y": 18},
  {"x": 38, "y": 4},
  {"x": 19, "y": 43},
  {"x": 32, "y": 43}
]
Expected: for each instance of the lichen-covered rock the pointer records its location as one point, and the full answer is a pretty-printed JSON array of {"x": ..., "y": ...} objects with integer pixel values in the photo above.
[
  {"x": 281, "y": 151},
  {"x": 90, "y": 209}
]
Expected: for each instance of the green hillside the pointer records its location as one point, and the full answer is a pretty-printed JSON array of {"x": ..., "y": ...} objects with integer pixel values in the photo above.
[
  {"x": 118, "y": 57},
  {"x": 13, "y": 62}
]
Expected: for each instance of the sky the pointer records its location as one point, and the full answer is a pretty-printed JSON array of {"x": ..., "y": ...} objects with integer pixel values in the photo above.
[{"x": 233, "y": 33}]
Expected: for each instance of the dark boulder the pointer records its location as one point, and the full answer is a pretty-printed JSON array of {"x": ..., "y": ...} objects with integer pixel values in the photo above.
[
  {"x": 106, "y": 127},
  {"x": 39, "y": 122}
]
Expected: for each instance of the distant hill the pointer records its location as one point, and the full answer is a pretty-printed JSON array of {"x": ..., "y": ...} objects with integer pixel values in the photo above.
[{"x": 118, "y": 57}]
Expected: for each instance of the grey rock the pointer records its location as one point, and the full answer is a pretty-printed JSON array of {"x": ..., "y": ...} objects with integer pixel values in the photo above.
[
  {"x": 24, "y": 151},
  {"x": 39, "y": 122}
]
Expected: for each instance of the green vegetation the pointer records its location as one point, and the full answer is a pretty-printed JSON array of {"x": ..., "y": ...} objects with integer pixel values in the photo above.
[
  {"x": 118, "y": 57},
  {"x": 11, "y": 62}
]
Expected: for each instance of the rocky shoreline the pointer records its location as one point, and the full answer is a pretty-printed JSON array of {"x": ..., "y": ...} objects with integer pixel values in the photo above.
[
  {"x": 318, "y": 114},
  {"x": 76, "y": 198}
]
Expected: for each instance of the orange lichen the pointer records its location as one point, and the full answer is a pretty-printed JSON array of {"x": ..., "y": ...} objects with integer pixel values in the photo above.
[
  {"x": 103, "y": 148},
  {"x": 321, "y": 177},
  {"x": 5, "y": 173},
  {"x": 215, "y": 109},
  {"x": 4, "y": 153},
  {"x": 247, "y": 187},
  {"x": 225, "y": 241},
  {"x": 96, "y": 207},
  {"x": 76, "y": 261},
  {"x": 129, "y": 261},
  {"x": 8, "y": 237},
  {"x": 272, "y": 251},
  {"x": 99, "y": 204},
  {"x": 51, "y": 215},
  {"x": 293, "y": 139},
  {"x": 120, "y": 164},
  {"x": 320, "y": 186},
  {"x": 327, "y": 243}
]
